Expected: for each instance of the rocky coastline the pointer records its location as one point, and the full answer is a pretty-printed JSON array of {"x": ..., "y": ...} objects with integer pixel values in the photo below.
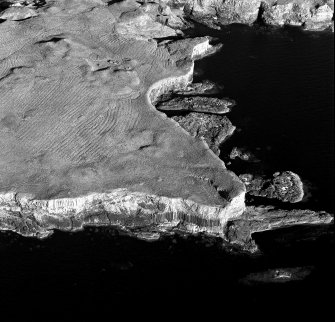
[
  {"x": 173, "y": 179},
  {"x": 309, "y": 14},
  {"x": 134, "y": 133},
  {"x": 313, "y": 15}
]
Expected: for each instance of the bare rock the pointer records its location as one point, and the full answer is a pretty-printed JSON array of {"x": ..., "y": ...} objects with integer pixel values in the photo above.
[
  {"x": 285, "y": 186},
  {"x": 258, "y": 219},
  {"x": 197, "y": 104},
  {"x": 131, "y": 211},
  {"x": 18, "y": 13},
  {"x": 213, "y": 129},
  {"x": 240, "y": 11},
  {"x": 223, "y": 12},
  {"x": 311, "y": 14},
  {"x": 143, "y": 23},
  {"x": 206, "y": 87},
  {"x": 287, "y": 13},
  {"x": 321, "y": 18},
  {"x": 243, "y": 154}
]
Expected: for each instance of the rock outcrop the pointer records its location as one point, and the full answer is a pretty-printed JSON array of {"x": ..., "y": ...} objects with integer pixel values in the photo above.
[
  {"x": 224, "y": 11},
  {"x": 286, "y": 186},
  {"x": 197, "y": 104},
  {"x": 206, "y": 87},
  {"x": 311, "y": 14},
  {"x": 258, "y": 219},
  {"x": 211, "y": 128},
  {"x": 243, "y": 154},
  {"x": 142, "y": 23},
  {"x": 122, "y": 208},
  {"x": 17, "y": 10},
  {"x": 184, "y": 51},
  {"x": 165, "y": 18},
  {"x": 18, "y": 13}
]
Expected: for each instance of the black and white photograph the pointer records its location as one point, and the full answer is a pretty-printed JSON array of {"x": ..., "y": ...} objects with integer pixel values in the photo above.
[{"x": 176, "y": 155}]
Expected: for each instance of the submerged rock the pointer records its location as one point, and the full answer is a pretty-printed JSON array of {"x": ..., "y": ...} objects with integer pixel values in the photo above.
[
  {"x": 285, "y": 186},
  {"x": 311, "y": 14},
  {"x": 17, "y": 13},
  {"x": 243, "y": 154},
  {"x": 213, "y": 129},
  {"x": 197, "y": 104},
  {"x": 278, "y": 275}
]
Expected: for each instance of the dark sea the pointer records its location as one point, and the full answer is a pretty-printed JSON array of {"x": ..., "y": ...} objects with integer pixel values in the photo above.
[{"x": 282, "y": 81}]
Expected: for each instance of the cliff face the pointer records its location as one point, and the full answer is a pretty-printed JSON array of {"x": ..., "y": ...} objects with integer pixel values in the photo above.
[
  {"x": 120, "y": 207},
  {"x": 311, "y": 14}
]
